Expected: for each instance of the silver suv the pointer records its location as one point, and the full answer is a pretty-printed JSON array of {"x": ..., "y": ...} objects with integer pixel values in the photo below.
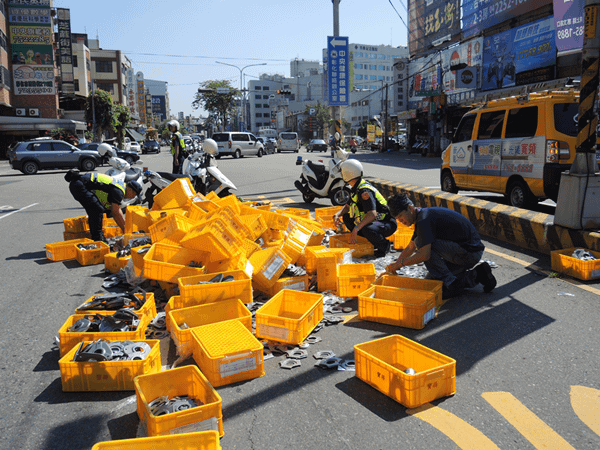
[
  {"x": 238, "y": 144},
  {"x": 39, "y": 154}
]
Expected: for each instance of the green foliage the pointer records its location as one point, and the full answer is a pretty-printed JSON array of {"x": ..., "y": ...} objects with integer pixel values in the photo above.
[
  {"x": 103, "y": 108},
  {"x": 120, "y": 120},
  {"x": 221, "y": 105}
]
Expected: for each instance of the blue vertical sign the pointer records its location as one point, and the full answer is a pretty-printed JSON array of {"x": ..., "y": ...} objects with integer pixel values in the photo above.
[{"x": 338, "y": 59}]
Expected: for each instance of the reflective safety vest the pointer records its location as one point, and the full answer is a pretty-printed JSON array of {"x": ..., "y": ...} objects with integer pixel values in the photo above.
[
  {"x": 380, "y": 201},
  {"x": 101, "y": 178},
  {"x": 181, "y": 143}
]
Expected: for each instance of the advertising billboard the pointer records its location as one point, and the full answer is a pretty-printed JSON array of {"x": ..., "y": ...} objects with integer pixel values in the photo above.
[
  {"x": 518, "y": 50},
  {"x": 65, "y": 50},
  {"x": 423, "y": 80},
  {"x": 431, "y": 23},
  {"x": 568, "y": 20},
  {"x": 477, "y": 15}
]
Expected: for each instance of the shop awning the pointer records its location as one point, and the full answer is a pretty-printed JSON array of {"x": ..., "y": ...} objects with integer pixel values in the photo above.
[
  {"x": 9, "y": 123},
  {"x": 135, "y": 135}
]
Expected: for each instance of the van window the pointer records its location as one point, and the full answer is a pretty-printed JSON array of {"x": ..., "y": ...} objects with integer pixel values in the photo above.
[
  {"x": 288, "y": 136},
  {"x": 564, "y": 114},
  {"x": 490, "y": 125},
  {"x": 464, "y": 132},
  {"x": 220, "y": 137},
  {"x": 522, "y": 122},
  {"x": 240, "y": 137}
]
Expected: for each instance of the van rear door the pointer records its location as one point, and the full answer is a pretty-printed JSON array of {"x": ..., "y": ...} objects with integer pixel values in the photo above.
[
  {"x": 487, "y": 150},
  {"x": 461, "y": 151}
]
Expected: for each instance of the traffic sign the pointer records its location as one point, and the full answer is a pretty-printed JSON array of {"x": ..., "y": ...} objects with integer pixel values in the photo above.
[
  {"x": 222, "y": 90},
  {"x": 338, "y": 62}
]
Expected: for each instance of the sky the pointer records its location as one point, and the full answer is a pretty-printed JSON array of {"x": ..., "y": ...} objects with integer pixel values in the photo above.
[{"x": 179, "y": 41}]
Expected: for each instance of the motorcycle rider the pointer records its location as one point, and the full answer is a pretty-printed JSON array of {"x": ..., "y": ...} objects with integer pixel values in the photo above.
[
  {"x": 98, "y": 194},
  {"x": 366, "y": 214},
  {"x": 352, "y": 144},
  {"x": 177, "y": 145}
]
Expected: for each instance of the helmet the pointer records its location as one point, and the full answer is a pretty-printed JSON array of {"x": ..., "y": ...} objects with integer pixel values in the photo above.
[
  {"x": 351, "y": 169},
  {"x": 173, "y": 123},
  {"x": 210, "y": 147},
  {"x": 103, "y": 149},
  {"x": 135, "y": 187}
]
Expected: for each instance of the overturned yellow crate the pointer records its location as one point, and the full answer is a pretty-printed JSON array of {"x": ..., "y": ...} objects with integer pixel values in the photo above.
[
  {"x": 177, "y": 194},
  {"x": 169, "y": 263},
  {"x": 419, "y": 284},
  {"x": 256, "y": 225},
  {"x": 354, "y": 278},
  {"x": 198, "y": 289},
  {"x": 76, "y": 224},
  {"x": 361, "y": 248},
  {"x": 201, "y": 440},
  {"x": 174, "y": 227},
  {"x": 215, "y": 238},
  {"x": 299, "y": 283},
  {"x": 267, "y": 266}
]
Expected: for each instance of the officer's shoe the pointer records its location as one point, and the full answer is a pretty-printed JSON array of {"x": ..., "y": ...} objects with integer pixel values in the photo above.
[
  {"x": 452, "y": 290},
  {"x": 485, "y": 277},
  {"x": 382, "y": 251}
]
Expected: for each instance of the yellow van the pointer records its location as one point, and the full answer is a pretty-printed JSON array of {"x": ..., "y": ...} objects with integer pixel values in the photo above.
[{"x": 516, "y": 146}]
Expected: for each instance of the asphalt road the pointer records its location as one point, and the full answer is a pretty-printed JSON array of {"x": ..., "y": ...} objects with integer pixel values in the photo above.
[{"x": 527, "y": 353}]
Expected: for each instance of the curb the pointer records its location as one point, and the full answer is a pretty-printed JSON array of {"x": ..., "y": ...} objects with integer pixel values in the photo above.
[{"x": 527, "y": 229}]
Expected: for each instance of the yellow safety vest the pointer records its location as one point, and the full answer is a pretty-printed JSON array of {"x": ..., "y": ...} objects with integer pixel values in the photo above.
[
  {"x": 181, "y": 143},
  {"x": 359, "y": 215},
  {"x": 105, "y": 179}
]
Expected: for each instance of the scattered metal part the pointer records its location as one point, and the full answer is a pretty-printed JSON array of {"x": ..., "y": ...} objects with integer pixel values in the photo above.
[
  {"x": 304, "y": 345},
  {"x": 319, "y": 327},
  {"x": 284, "y": 348},
  {"x": 347, "y": 309},
  {"x": 297, "y": 353},
  {"x": 329, "y": 363},
  {"x": 348, "y": 364},
  {"x": 228, "y": 278},
  {"x": 329, "y": 319},
  {"x": 88, "y": 246},
  {"x": 267, "y": 354},
  {"x": 156, "y": 334},
  {"x": 165, "y": 405},
  {"x": 335, "y": 310},
  {"x": 103, "y": 350},
  {"x": 160, "y": 321},
  {"x": 324, "y": 354},
  {"x": 313, "y": 339},
  {"x": 80, "y": 326},
  {"x": 289, "y": 363}
]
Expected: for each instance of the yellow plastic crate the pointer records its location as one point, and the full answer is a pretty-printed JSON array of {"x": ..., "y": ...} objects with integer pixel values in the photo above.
[
  {"x": 289, "y": 316},
  {"x": 227, "y": 352},
  {"x": 199, "y": 209},
  {"x": 106, "y": 375},
  {"x": 267, "y": 266},
  {"x": 76, "y": 224},
  {"x": 202, "y": 440},
  {"x": 69, "y": 339},
  {"x": 402, "y": 307},
  {"x": 137, "y": 219},
  {"x": 215, "y": 238},
  {"x": 361, "y": 248},
  {"x": 186, "y": 380},
  {"x": 264, "y": 205},
  {"x": 401, "y": 282},
  {"x": 174, "y": 227},
  {"x": 178, "y": 193},
  {"x": 137, "y": 257},
  {"x": 354, "y": 278},
  {"x": 299, "y": 283},
  {"x": 401, "y": 238},
  {"x": 256, "y": 225},
  {"x": 64, "y": 250},
  {"x": 382, "y": 364},
  {"x": 326, "y": 263},
  {"x": 300, "y": 212},
  {"x": 192, "y": 293},
  {"x": 111, "y": 231},
  {"x": 274, "y": 220},
  {"x": 237, "y": 262},
  {"x": 296, "y": 241},
  {"x": 68, "y": 236},
  {"x": 113, "y": 263},
  {"x": 249, "y": 247},
  {"x": 147, "y": 309},
  {"x": 168, "y": 262},
  {"x": 562, "y": 261},
  {"x": 94, "y": 256},
  {"x": 195, "y": 316}
]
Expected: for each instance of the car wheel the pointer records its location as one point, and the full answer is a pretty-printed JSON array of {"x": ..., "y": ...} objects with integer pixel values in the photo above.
[
  {"x": 340, "y": 197},
  {"x": 260, "y": 153},
  {"x": 237, "y": 154},
  {"x": 519, "y": 194},
  {"x": 29, "y": 168},
  {"x": 88, "y": 165},
  {"x": 448, "y": 184}
]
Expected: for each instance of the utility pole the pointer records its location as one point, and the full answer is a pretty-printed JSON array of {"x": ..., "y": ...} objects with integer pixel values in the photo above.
[
  {"x": 93, "y": 114},
  {"x": 336, "y": 112},
  {"x": 384, "y": 144},
  {"x": 578, "y": 203}
]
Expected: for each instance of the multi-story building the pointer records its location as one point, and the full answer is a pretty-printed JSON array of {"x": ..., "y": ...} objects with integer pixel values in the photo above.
[
  {"x": 5, "y": 77},
  {"x": 108, "y": 69},
  {"x": 159, "y": 92}
]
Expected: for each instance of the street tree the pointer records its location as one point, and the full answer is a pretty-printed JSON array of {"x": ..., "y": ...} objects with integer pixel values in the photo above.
[
  {"x": 221, "y": 104},
  {"x": 120, "y": 119},
  {"x": 101, "y": 110}
]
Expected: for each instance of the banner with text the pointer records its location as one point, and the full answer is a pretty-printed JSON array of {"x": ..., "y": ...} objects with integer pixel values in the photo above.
[{"x": 568, "y": 20}]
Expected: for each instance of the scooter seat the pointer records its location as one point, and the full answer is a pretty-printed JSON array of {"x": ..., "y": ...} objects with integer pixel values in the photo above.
[
  {"x": 317, "y": 167},
  {"x": 131, "y": 175}
]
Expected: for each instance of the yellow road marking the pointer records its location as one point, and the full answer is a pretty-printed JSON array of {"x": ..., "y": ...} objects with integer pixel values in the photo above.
[
  {"x": 586, "y": 404},
  {"x": 540, "y": 435},
  {"x": 464, "y": 435},
  {"x": 574, "y": 282}
]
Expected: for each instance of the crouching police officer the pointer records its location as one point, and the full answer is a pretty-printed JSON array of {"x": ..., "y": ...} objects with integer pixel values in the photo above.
[
  {"x": 99, "y": 194},
  {"x": 366, "y": 214}
]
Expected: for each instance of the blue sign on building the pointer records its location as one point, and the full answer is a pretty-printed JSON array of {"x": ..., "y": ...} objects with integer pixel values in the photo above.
[{"x": 338, "y": 61}]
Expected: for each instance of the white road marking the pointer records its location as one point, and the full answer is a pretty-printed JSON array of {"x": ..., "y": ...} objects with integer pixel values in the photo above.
[{"x": 18, "y": 210}]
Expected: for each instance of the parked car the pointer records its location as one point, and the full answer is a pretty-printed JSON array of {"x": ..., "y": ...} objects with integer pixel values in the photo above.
[
  {"x": 238, "y": 144},
  {"x": 151, "y": 147},
  {"x": 317, "y": 145},
  {"x": 39, "y": 154},
  {"x": 128, "y": 155},
  {"x": 135, "y": 146}
]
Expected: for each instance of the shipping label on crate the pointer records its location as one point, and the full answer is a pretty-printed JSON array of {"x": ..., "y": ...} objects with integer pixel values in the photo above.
[
  {"x": 188, "y": 191},
  {"x": 277, "y": 333},
  {"x": 241, "y": 365},
  {"x": 272, "y": 268},
  {"x": 298, "y": 286},
  {"x": 205, "y": 425},
  {"x": 428, "y": 315}
]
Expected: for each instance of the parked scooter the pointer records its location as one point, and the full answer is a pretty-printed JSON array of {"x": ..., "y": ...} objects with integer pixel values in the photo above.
[
  {"x": 320, "y": 181},
  {"x": 200, "y": 168},
  {"x": 122, "y": 170}
]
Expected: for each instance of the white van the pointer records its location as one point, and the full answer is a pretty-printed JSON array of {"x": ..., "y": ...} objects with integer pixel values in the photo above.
[{"x": 288, "y": 140}]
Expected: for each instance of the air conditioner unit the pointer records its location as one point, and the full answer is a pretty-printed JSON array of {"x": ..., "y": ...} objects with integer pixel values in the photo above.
[
  {"x": 33, "y": 112},
  {"x": 21, "y": 112}
]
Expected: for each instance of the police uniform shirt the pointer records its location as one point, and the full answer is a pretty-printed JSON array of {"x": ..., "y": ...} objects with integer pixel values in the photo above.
[
  {"x": 366, "y": 200},
  {"x": 442, "y": 223},
  {"x": 114, "y": 194}
]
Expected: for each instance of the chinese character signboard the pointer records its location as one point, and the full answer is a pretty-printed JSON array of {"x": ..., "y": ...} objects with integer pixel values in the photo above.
[
  {"x": 517, "y": 50},
  {"x": 432, "y": 22},
  {"x": 568, "y": 19},
  {"x": 31, "y": 45},
  {"x": 338, "y": 63},
  {"x": 65, "y": 50},
  {"x": 141, "y": 97}
]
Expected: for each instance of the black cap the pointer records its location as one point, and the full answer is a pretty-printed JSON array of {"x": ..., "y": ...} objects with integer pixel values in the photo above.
[
  {"x": 135, "y": 187},
  {"x": 398, "y": 204}
]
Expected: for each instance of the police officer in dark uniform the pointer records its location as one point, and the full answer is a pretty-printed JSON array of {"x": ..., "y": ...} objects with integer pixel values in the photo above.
[
  {"x": 177, "y": 146},
  {"x": 98, "y": 194},
  {"x": 366, "y": 214}
]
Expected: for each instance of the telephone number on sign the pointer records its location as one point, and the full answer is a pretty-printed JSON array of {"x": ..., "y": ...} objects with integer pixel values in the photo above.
[
  {"x": 35, "y": 91},
  {"x": 518, "y": 167}
]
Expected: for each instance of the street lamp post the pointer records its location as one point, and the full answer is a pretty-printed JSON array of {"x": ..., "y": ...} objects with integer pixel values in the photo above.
[{"x": 242, "y": 98}]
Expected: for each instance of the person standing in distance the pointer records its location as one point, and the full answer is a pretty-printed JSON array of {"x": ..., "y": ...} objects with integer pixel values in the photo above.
[
  {"x": 177, "y": 145},
  {"x": 98, "y": 194},
  {"x": 446, "y": 242},
  {"x": 367, "y": 213}
]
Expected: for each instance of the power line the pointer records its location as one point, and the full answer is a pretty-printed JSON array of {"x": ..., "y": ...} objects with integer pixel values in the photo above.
[
  {"x": 398, "y": 14},
  {"x": 404, "y": 5},
  {"x": 202, "y": 56}
]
